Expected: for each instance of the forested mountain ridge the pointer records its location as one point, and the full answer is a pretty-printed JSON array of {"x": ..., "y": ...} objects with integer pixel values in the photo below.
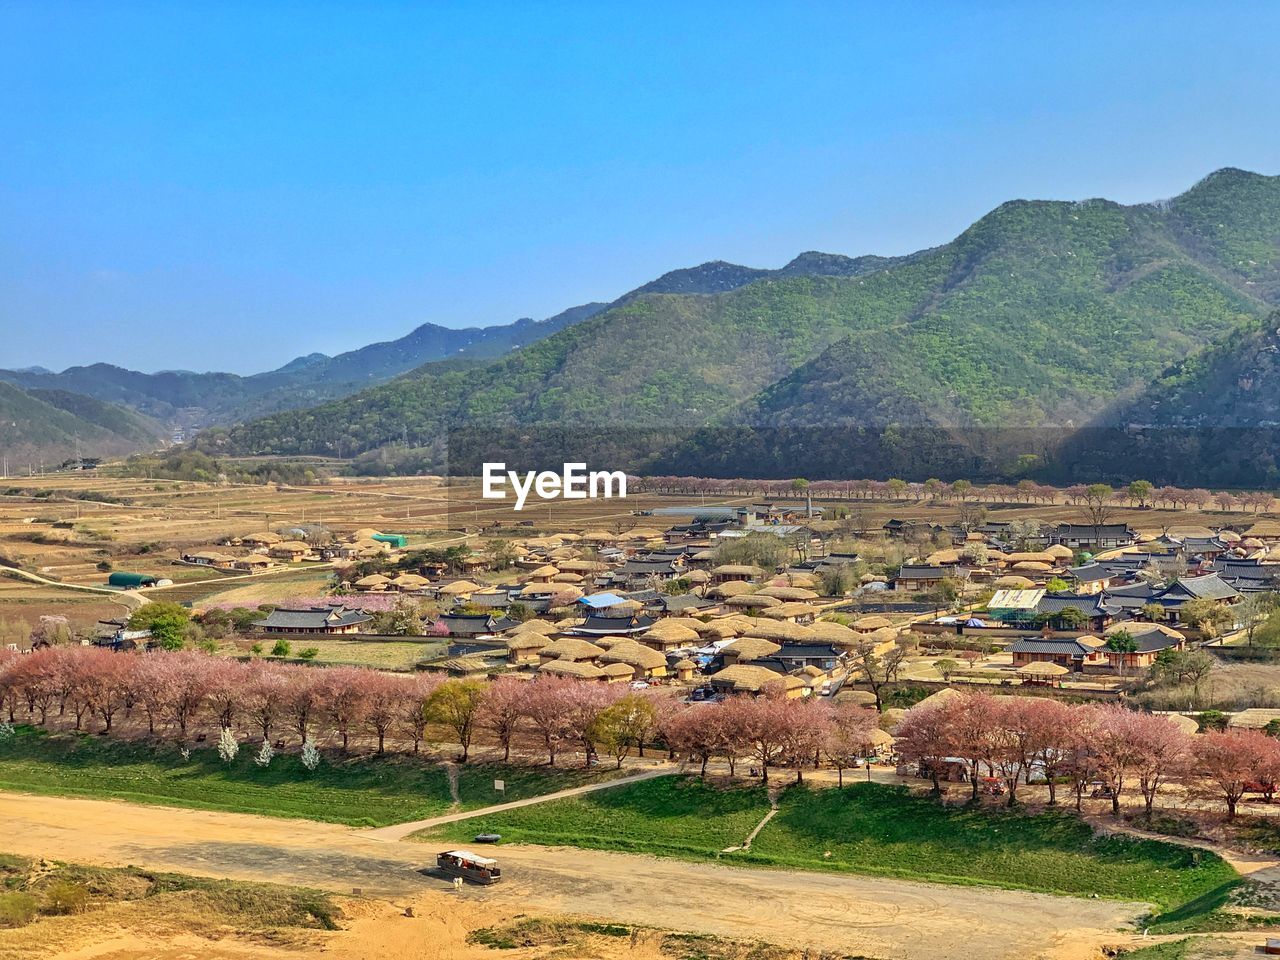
[
  {"x": 185, "y": 399},
  {"x": 52, "y": 425},
  {"x": 1042, "y": 314}
]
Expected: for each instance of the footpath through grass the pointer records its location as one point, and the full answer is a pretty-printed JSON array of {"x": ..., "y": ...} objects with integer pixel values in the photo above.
[
  {"x": 868, "y": 829},
  {"x": 356, "y": 791}
]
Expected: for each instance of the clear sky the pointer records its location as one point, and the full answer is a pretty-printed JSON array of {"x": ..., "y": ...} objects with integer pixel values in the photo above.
[{"x": 226, "y": 186}]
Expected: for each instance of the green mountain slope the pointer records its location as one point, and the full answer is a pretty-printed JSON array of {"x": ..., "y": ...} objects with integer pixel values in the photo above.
[
  {"x": 52, "y": 425},
  {"x": 1042, "y": 314},
  {"x": 185, "y": 399}
]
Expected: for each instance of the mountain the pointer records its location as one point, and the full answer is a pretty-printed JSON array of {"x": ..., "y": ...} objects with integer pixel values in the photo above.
[
  {"x": 1041, "y": 316},
  {"x": 54, "y": 424},
  {"x": 186, "y": 400}
]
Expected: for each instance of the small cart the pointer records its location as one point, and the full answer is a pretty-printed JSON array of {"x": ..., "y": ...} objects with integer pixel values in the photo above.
[{"x": 468, "y": 866}]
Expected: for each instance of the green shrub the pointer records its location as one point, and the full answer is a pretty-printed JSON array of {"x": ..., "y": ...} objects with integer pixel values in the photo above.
[
  {"x": 17, "y": 909},
  {"x": 309, "y": 654},
  {"x": 281, "y": 648},
  {"x": 63, "y": 896}
]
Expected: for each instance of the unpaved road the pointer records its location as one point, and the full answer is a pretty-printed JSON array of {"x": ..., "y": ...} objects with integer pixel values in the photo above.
[{"x": 849, "y": 914}]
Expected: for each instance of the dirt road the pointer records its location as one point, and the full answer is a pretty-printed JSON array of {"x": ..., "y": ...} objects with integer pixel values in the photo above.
[{"x": 861, "y": 915}]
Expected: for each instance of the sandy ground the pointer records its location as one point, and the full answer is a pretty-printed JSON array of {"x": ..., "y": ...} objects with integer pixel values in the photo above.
[{"x": 849, "y": 914}]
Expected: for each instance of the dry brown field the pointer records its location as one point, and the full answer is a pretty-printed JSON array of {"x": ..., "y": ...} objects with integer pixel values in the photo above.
[{"x": 62, "y": 526}]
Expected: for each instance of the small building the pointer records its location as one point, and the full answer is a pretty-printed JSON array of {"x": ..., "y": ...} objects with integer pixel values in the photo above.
[
  {"x": 752, "y": 679},
  {"x": 127, "y": 580},
  {"x": 313, "y": 620},
  {"x": 919, "y": 578},
  {"x": 254, "y": 563},
  {"x": 1070, "y": 653},
  {"x": 291, "y": 551},
  {"x": 1105, "y": 536}
]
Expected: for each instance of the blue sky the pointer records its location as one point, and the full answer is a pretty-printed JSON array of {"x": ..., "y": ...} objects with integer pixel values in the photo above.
[{"x": 226, "y": 186}]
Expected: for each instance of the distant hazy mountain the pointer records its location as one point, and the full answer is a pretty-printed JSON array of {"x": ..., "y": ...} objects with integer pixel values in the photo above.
[
  {"x": 1043, "y": 314},
  {"x": 184, "y": 399},
  {"x": 53, "y": 425}
]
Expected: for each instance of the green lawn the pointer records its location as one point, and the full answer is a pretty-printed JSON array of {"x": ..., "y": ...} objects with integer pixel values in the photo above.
[
  {"x": 869, "y": 829},
  {"x": 668, "y": 815},
  {"x": 360, "y": 791}
]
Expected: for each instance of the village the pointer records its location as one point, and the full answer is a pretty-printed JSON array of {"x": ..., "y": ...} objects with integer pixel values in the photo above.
[{"x": 997, "y": 655}]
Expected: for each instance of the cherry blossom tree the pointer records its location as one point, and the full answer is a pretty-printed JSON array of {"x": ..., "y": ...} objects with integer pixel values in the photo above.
[
  {"x": 1228, "y": 762},
  {"x": 266, "y": 694},
  {"x": 548, "y": 701}
]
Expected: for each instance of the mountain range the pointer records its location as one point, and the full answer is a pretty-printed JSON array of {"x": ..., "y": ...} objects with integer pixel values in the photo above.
[
  {"x": 1043, "y": 319},
  {"x": 999, "y": 352}
]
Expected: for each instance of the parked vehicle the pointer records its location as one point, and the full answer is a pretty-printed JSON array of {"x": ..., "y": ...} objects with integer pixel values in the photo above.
[{"x": 468, "y": 866}]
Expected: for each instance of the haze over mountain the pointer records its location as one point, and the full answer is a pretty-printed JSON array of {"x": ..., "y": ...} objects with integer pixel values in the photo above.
[
  {"x": 1043, "y": 314},
  {"x": 51, "y": 425},
  {"x": 185, "y": 400}
]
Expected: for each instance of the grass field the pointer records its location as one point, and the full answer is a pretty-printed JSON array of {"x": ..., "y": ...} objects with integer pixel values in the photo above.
[
  {"x": 380, "y": 654},
  {"x": 668, "y": 815},
  {"x": 869, "y": 829},
  {"x": 359, "y": 791}
]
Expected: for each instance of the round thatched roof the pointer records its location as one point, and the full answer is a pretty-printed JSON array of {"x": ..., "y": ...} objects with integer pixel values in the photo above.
[
  {"x": 859, "y": 698},
  {"x": 666, "y": 632},
  {"x": 534, "y": 626},
  {"x": 826, "y": 631},
  {"x": 1038, "y": 556},
  {"x": 1042, "y": 668},
  {"x": 529, "y": 640},
  {"x": 872, "y": 622},
  {"x": 737, "y": 570},
  {"x": 788, "y": 593},
  {"x": 635, "y": 654},
  {"x": 567, "y": 578},
  {"x": 1184, "y": 723},
  {"x": 580, "y": 669},
  {"x": 684, "y": 665},
  {"x": 1014, "y": 583},
  {"x": 734, "y": 588},
  {"x": 749, "y": 601},
  {"x": 459, "y": 587},
  {"x": 942, "y": 696},
  {"x": 889, "y": 719},
  {"x": 373, "y": 580},
  {"x": 1032, "y": 566},
  {"x": 787, "y": 610},
  {"x": 572, "y": 648},
  {"x": 752, "y": 648},
  {"x": 1061, "y": 551},
  {"x": 779, "y": 631},
  {"x": 696, "y": 576}
]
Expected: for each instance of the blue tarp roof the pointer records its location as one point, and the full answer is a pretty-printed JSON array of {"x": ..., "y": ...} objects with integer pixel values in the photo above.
[{"x": 599, "y": 601}]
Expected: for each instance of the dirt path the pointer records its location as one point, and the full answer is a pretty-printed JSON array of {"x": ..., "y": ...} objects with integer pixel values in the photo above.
[
  {"x": 399, "y": 831},
  {"x": 882, "y": 918}
]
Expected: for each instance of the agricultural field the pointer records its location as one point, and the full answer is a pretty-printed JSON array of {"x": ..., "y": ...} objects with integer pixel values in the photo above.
[{"x": 869, "y": 829}]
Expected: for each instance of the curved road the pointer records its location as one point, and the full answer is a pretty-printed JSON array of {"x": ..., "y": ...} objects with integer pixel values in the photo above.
[{"x": 842, "y": 913}]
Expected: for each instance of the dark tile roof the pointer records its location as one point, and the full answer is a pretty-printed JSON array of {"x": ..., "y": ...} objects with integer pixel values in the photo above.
[
  {"x": 313, "y": 618},
  {"x": 1066, "y": 647},
  {"x": 1090, "y": 606},
  {"x": 1209, "y": 586},
  {"x": 1091, "y": 573}
]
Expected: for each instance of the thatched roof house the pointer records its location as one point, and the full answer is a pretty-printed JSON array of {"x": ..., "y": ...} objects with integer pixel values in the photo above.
[
  {"x": 746, "y": 678},
  {"x": 578, "y": 669},
  {"x": 571, "y": 648},
  {"x": 749, "y": 648}
]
